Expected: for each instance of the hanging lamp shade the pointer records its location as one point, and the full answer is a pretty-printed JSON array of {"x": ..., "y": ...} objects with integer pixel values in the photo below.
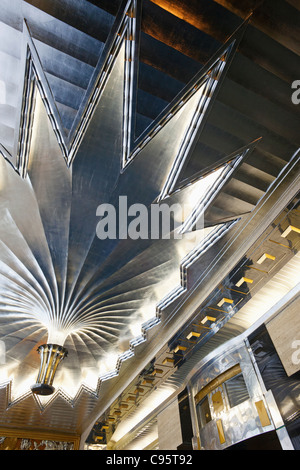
[{"x": 51, "y": 355}]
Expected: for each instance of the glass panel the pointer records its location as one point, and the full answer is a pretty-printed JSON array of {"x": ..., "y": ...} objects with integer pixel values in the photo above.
[
  {"x": 236, "y": 390},
  {"x": 217, "y": 402},
  {"x": 203, "y": 411}
]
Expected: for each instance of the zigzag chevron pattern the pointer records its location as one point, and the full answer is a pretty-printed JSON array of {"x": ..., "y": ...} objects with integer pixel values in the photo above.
[{"x": 56, "y": 277}]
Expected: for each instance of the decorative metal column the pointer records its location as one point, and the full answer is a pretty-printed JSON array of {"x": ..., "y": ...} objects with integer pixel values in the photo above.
[{"x": 51, "y": 356}]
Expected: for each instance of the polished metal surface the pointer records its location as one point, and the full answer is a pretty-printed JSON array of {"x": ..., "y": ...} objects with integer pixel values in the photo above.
[
  {"x": 269, "y": 292},
  {"x": 76, "y": 131},
  {"x": 51, "y": 355},
  {"x": 241, "y": 421}
]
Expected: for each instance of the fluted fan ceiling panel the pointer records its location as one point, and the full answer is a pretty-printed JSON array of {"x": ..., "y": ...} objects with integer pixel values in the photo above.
[
  {"x": 89, "y": 294},
  {"x": 100, "y": 103}
]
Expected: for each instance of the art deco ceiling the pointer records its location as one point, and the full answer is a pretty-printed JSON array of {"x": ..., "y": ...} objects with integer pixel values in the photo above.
[{"x": 160, "y": 102}]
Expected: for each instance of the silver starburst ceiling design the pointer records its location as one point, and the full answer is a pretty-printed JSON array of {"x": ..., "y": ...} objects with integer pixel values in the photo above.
[{"x": 59, "y": 282}]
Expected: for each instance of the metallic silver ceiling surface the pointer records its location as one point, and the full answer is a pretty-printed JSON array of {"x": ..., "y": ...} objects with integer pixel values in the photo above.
[
  {"x": 251, "y": 303},
  {"x": 98, "y": 101}
]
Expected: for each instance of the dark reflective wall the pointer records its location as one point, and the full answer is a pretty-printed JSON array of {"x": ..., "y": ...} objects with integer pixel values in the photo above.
[{"x": 286, "y": 390}]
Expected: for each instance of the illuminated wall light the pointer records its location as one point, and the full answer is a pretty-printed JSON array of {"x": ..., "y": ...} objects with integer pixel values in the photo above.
[
  {"x": 262, "y": 413},
  {"x": 225, "y": 301},
  {"x": 244, "y": 280},
  {"x": 147, "y": 381},
  {"x": 139, "y": 390},
  {"x": 168, "y": 360},
  {"x": 208, "y": 318},
  {"x": 192, "y": 335},
  {"x": 104, "y": 427},
  {"x": 131, "y": 398},
  {"x": 117, "y": 413},
  {"x": 217, "y": 402},
  {"x": 180, "y": 348},
  {"x": 221, "y": 431},
  {"x": 157, "y": 371},
  {"x": 51, "y": 355},
  {"x": 123, "y": 406},
  {"x": 290, "y": 229},
  {"x": 264, "y": 257}
]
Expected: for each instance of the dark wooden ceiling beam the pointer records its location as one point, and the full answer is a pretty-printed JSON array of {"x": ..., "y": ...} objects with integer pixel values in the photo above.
[
  {"x": 266, "y": 14},
  {"x": 209, "y": 17},
  {"x": 164, "y": 27}
]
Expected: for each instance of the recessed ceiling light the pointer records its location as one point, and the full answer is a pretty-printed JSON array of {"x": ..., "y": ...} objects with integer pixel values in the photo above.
[
  {"x": 207, "y": 318},
  {"x": 244, "y": 280},
  {"x": 291, "y": 228},
  {"x": 225, "y": 301},
  {"x": 264, "y": 257}
]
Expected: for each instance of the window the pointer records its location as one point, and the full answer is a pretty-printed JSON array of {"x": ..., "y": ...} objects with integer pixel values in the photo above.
[
  {"x": 225, "y": 391},
  {"x": 203, "y": 411},
  {"x": 217, "y": 401},
  {"x": 236, "y": 390}
]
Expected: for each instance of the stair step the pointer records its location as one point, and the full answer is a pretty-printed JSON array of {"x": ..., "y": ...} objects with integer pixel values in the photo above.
[
  {"x": 111, "y": 6},
  {"x": 142, "y": 122},
  {"x": 10, "y": 69},
  {"x": 64, "y": 66},
  {"x": 7, "y": 135},
  {"x": 151, "y": 80},
  {"x": 10, "y": 41},
  {"x": 246, "y": 129},
  {"x": 67, "y": 115},
  {"x": 270, "y": 116},
  {"x": 165, "y": 28},
  {"x": 254, "y": 177},
  {"x": 66, "y": 39},
  {"x": 266, "y": 162},
  {"x": 168, "y": 60},
  {"x": 243, "y": 191},
  {"x": 8, "y": 114},
  {"x": 65, "y": 92},
  {"x": 149, "y": 105},
  {"x": 55, "y": 31},
  {"x": 230, "y": 206},
  {"x": 10, "y": 92},
  {"x": 81, "y": 16}
]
